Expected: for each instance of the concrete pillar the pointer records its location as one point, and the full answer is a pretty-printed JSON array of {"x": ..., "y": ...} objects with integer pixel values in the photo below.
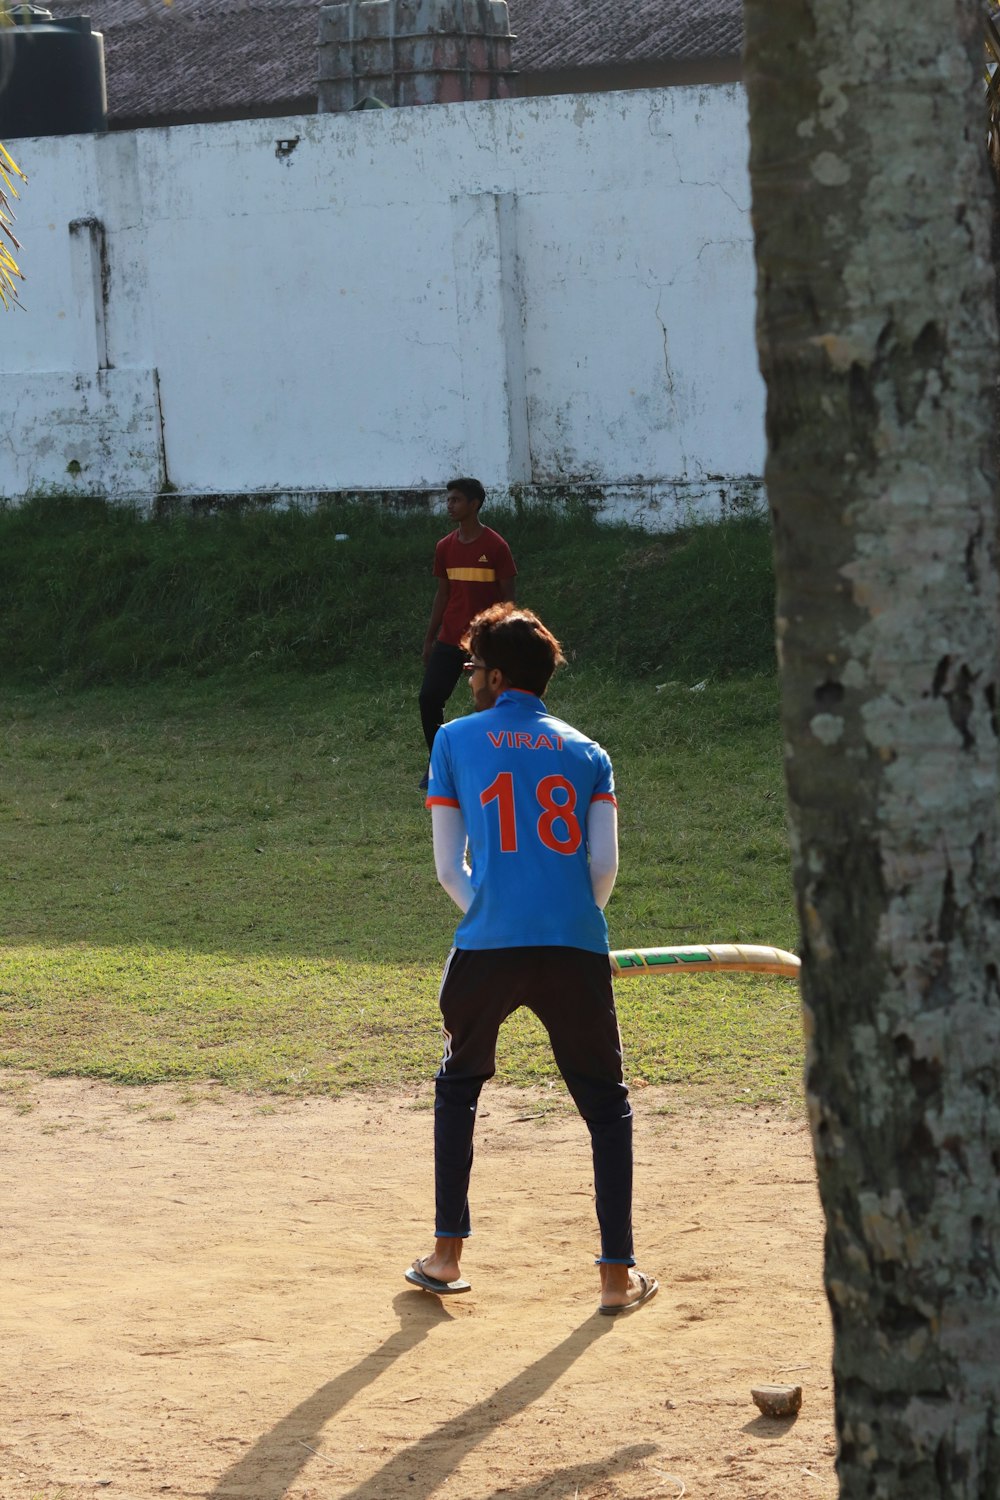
[
  {"x": 89, "y": 270},
  {"x": 489, "y": 306}
]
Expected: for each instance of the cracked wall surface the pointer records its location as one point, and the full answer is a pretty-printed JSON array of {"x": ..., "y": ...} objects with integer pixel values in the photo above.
[{"x": 548, "y": 296}]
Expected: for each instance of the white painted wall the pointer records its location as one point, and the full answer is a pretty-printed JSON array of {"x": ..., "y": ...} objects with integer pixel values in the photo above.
[{"x": 548, "y": 292}]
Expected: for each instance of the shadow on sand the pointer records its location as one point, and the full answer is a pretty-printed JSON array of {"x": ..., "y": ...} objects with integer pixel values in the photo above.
[{"x": 277, "y": 1458}]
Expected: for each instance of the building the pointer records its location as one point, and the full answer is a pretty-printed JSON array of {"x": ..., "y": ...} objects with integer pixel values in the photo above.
[
  {"x": 554, "y": 291},
  {"x": 202, "y": 60}
]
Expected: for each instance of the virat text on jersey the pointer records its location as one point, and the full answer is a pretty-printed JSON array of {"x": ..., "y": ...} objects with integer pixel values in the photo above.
[{"x": 521, "y": 740}]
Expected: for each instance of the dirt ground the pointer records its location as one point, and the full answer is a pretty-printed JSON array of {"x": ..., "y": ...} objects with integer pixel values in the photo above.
[{"x": 203, "y": 1296}]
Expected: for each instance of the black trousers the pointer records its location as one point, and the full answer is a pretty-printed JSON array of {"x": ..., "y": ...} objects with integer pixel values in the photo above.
[
  {"x": 569, "y": 990},
  {"x": 443, "y": 670}
]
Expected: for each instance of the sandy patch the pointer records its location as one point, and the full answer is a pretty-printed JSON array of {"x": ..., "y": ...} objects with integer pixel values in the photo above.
[{"x": 203, "y": 1296}]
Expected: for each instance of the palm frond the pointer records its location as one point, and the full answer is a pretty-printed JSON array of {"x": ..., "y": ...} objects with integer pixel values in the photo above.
[
  {"x": 9, "y": 169},
  {"x": 991, "y": 70},
  {"x": 9, "y": 268}
]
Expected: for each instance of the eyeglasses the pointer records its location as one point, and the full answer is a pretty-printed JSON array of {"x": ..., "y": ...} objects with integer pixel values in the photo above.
[{"x": 474, "y": 666}]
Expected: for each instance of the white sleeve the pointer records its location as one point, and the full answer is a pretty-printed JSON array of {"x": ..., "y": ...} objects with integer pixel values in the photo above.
[
  {"x": 450, "y": 839},
  {"x": 602, "y": 840}
]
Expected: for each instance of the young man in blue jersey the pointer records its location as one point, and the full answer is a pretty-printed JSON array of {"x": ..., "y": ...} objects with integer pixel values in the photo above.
[{"x": 534, "y": 801}]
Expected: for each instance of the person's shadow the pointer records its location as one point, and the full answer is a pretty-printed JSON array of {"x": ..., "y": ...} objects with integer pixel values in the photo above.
[
  {"x": 277, "y": 1458},
  {"x": 567, "y": 1482}
]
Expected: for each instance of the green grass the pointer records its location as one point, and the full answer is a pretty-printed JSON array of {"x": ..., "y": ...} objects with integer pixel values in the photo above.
[
  {"x": 94, "y": 594},
  {"x": 230, "y": 878},
  {"x": 214, "y": 861}
]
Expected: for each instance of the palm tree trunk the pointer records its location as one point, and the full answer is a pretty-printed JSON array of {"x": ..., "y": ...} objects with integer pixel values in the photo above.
[{"x": 872, "y": 212}]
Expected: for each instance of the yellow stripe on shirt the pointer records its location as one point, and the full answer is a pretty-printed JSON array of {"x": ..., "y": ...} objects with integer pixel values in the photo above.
[{"x": 473, "y": 575}]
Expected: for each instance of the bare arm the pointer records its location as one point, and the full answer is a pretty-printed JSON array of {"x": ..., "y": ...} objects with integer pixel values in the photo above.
[
  {"x": 437, "y": 615},
  {"x": 450, "y": 839},
  {"x": 508, "y": 588},
  {"x": 602, "y": 841}
]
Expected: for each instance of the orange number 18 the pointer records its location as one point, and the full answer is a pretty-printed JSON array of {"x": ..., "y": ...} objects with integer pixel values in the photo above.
[{"x": 501, "y": 791}]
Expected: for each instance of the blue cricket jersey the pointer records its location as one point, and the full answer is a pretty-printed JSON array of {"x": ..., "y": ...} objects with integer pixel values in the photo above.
[{"x": 524, "y": 782}]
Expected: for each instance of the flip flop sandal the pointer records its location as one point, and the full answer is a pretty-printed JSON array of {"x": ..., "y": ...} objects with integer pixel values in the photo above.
[
  {"x": 417, "y": 1276},
  {"x": 650, "y": 1287}
]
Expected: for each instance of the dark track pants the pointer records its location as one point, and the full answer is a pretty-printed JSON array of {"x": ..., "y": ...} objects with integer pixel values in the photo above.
[
  {"x": 444, "y": 668},
  {"x": 569, "y": 990}
]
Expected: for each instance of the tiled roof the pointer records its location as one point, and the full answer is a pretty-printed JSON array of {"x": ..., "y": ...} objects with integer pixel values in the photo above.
[
  {"x": 574, "y": 33},
  {"x": 201, "y": 57}
]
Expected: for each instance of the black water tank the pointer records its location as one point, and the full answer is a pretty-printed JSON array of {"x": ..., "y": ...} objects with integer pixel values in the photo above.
[{"x": 54, "y": 75}]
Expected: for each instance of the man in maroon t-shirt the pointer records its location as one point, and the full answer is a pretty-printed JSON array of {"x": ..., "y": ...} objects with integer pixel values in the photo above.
[{"x": 474, "y": 569}]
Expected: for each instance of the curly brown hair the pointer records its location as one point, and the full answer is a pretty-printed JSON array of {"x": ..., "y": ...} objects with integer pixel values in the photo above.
[{"x": 515, "y": 641}]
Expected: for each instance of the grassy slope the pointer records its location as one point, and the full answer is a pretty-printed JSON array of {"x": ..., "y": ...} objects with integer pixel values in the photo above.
[
  {"x": 90, "y": 594},
  {"x": 228, "y": 876}
]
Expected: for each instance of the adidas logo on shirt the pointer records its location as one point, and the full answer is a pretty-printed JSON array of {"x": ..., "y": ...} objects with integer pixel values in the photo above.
[{"x": 484, "y": 558}]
